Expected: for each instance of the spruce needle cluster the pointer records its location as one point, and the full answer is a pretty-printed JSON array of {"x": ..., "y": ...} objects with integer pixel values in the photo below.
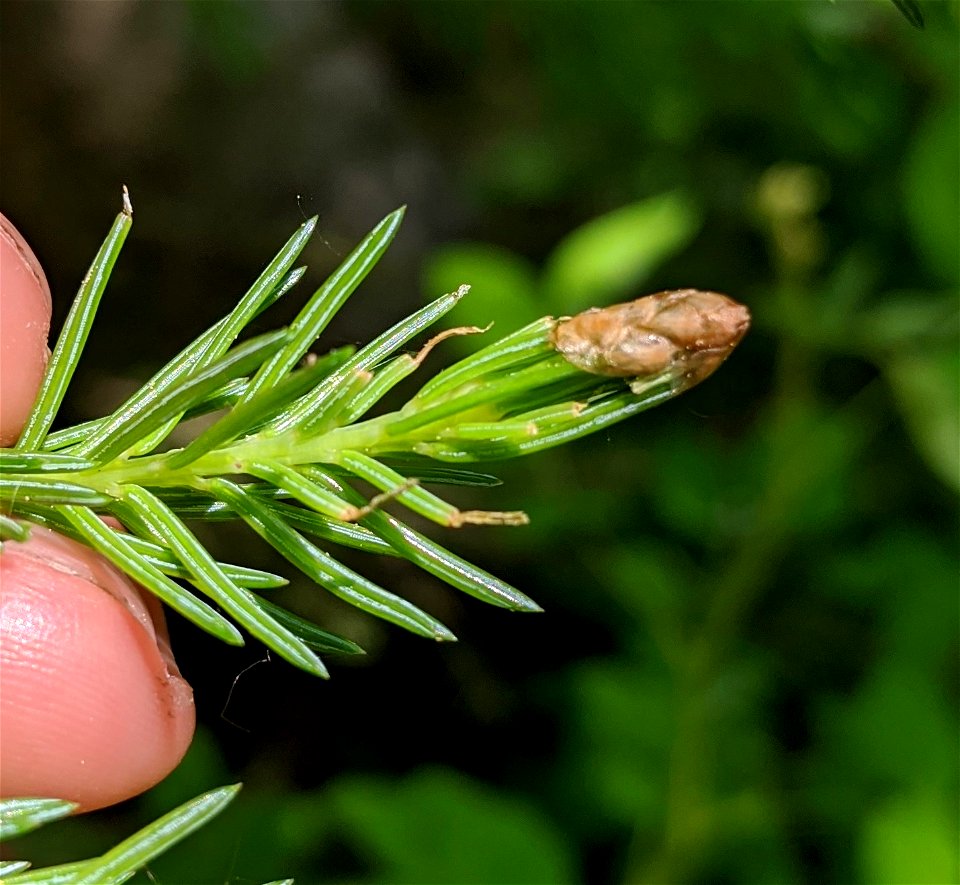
[{"x": 295, "y": 438}]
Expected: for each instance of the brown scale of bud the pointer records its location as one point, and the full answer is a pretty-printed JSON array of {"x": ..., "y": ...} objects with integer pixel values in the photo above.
[{"x": 682, "y": 334}]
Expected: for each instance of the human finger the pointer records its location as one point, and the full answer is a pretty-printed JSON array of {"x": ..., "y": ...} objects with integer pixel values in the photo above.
[
  {"x": 93, "y": 707},
  {"x": 24, "y": 326}
]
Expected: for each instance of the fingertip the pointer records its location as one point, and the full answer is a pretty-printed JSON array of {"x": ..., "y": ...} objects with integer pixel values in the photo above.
[
  {"x": 25, "y": 308},
  {"x": 92, "y": 710}
]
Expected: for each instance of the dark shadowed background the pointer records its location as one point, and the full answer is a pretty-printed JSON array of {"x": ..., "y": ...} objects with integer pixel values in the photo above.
[{"x": 747, "y": 671}]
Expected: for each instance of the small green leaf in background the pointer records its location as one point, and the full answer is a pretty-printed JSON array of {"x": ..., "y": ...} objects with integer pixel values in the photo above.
[
  {"x": 931, "y": 187},
  {"x": 649, "y": 580},
  {"x": 523, "y": 168},
  {"x": 438, "y": 826},
  {"x": 503, "y": 288},
  {"x": 604, "y": 260},
  {"x": 914, "y": 746},
  {"x": 908, "y": 320},
  {"x": 909, "y": 839},
  {"x": 617, "y": 752},
  {"x": 927, "y": 389}
]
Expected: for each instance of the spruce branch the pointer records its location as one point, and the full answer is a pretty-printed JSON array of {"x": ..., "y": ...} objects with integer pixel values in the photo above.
[{"x": 295, "y": 440}]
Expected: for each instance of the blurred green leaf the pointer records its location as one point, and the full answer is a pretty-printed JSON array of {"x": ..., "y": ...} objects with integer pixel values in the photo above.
[
  {"x": 926, "y": 385},
  {"x": 524, "y": 167},
  {"x": 911, "y": 840},
  {"x": 908, "y": 320},
  {"x": 503, "y": 287},
  {"x": 897, "y": 731},
  {"x": 623, "y": 725},
  {"x": 653, "y": 582},
  {"x": 908, "y": 578},
  {"x": 931, "y": 186},
  {"x": 438, "y": 827},
  {"x": 605, "y": 259},
  {"x": 692, "y": 482}
]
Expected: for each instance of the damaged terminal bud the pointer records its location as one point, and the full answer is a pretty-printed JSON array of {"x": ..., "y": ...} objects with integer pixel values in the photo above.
[{"x": 682, "y": 334}]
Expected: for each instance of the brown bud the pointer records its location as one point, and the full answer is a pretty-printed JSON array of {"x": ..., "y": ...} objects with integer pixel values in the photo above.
[{"x": 683, "y": 334}]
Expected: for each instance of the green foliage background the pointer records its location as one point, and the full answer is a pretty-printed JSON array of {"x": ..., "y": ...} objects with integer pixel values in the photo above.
[{"x": 747, "y": 670}]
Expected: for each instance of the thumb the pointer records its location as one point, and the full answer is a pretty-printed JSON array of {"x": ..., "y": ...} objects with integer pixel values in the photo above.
[{"x": 92, "y": 706}]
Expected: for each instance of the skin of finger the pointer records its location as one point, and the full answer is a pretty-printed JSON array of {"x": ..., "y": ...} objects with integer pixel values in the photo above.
[
  {"x": 92, "y": 706},
  {"x": 24, "y": 327}
]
